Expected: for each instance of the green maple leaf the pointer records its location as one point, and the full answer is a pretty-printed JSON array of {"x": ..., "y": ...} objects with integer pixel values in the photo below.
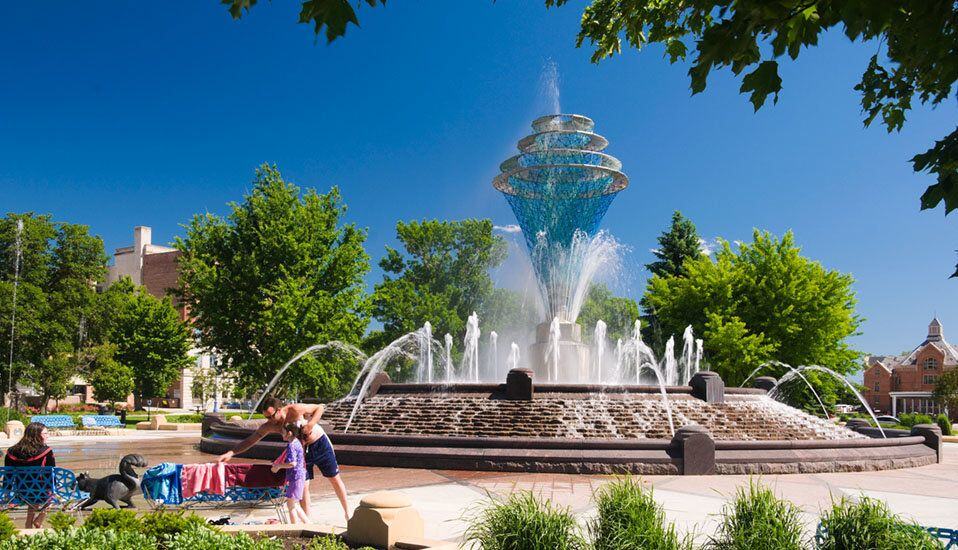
[{"x": 762, "y": 82}]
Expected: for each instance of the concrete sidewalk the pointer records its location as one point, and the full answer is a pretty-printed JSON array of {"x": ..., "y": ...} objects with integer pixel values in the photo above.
[{"x": 928, "y": 495}]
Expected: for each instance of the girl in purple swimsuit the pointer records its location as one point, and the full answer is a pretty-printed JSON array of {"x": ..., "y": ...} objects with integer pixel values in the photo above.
[{"x": 293, "y": 460}]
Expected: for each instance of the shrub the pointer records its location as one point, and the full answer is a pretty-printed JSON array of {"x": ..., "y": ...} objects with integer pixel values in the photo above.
[
  {"x": 869, "y": 523},
  {"x": 77, "y": 408},
  {"x": 910, "y": 420},
  {"x": 82, "y": 539},
  {"x": 629, "y": 518},
  {"x": 61, "y": 521},
  {"x": 944, "y": 423},
  {"x": 113, "y": 519},
  {"x": 7, "y": 413},
  {"x": 326, "y": 543},
  {"x": 185, "y": 418},
  {"x": 522, "y": 522},
  {"x": 7, "y": 528},
  {"x": 757, "y": 519},
  {"x": 207, "y": 539},
  {"x": 162, "y": 525}
]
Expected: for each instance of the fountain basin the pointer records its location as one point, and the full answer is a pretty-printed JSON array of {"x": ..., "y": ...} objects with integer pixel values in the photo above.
[{"x": 587, "y": 429}]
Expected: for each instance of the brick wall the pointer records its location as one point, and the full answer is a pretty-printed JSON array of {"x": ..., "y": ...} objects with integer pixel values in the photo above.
[
  {"x": 160, "y": 276},
  {"x": 879, "y": 400}
]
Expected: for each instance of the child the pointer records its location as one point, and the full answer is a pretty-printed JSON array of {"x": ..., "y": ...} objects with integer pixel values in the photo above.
[{"x": 294, "y": 462}]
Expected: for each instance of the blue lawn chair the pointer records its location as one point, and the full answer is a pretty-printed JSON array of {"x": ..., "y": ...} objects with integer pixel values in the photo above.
[
  {"x": 100, "y": 422},
  {"x": 39, "y": 488},
  {"x": 55, "y": 421}
]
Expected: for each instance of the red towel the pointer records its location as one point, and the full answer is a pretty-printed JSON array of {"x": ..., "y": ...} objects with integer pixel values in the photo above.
[
  {"x": 253, "y": 476},
  {"x": 203, "y": 478}
]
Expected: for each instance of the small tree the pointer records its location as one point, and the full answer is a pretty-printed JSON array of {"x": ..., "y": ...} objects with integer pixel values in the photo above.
[
  {"x": 111, "y": 380},
  {"x": 149, "y": 335},
  {"x": 618, "y": 313},
  {"x": 51, "y": 375},
  {"x": 443, "y": 277},
  {"x": 946, "y": 391}
]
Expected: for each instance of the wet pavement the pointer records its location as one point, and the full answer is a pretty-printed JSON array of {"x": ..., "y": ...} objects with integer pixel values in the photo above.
[{"x": 928, "y": 494}]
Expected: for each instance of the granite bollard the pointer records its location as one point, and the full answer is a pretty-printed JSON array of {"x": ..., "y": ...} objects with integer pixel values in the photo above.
[
  {"x": 697, "y": 448},
  {"x": 708, "y": 386},
  {"x": 932, "y": 435},
  {"x": 14, "y": 429},
  {"x": 383, "y": 518},
  {"x": 519, "y": 385},
  {"x": 766, "y": 383}
]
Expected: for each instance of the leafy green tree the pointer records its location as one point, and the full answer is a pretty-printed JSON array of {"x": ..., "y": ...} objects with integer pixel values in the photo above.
[
  {"x": 507, "y": 311},
  {"x": 946, "y": 390},
  {"x": 618, "y": 313},
  {"x": 443, "y": 277},
  {"x": 60, "y": 265},
  {"x": 916, "y": 41},
  {"x": 281, "y": 273},
  {"x": 763, "y": 302},
  {"x": 151, "y": 338},
  {"x": 112, "y": 381}
]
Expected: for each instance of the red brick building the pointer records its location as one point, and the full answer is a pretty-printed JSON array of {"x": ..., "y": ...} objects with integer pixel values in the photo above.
[
  {"x": 155, "y": 267},
  {"x": 900, "y": 384}
]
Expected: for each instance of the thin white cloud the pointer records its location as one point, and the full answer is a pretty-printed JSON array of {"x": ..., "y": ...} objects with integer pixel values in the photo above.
[
  {"x": 511, "y": 228},
  {"x": 708, "y": 247}
]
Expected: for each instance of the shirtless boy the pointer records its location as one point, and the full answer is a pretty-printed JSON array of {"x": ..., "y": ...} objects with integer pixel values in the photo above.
[{"x": 319, "y": 451}]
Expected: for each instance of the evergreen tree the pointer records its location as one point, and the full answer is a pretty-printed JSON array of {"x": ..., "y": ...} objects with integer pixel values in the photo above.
[{"x": 681, "y": 242}]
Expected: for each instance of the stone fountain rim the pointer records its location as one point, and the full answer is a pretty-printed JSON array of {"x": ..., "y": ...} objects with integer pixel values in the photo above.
[{"x": 590, "y": 389}]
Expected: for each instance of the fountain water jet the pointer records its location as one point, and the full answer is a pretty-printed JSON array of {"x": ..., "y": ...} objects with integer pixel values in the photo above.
[
  {"x": 17, "y": 255},
  {"x": 334, "y": 345},
  {"x": 425, "y": 352},
  {"x": 493, "y": 353},
  {"x": 470, "y": 358},
  {"x": 448, "y": 356},
  {"x": 513, "y": 361},
  {"x": 598, "y": 336},
  {"x": 797, "y": 372}
]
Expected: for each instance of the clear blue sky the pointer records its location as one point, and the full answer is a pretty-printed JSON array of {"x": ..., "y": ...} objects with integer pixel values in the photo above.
[{"x": 144, "y": 113}]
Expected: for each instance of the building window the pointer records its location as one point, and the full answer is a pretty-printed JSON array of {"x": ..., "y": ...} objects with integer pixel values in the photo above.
[
  {"x": 877, "y": 386},
  {"x": 930, "y": 364},
  {"x": 929, "y": 379}
]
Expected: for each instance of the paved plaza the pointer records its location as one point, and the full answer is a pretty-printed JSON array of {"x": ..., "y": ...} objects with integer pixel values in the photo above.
[{"x": 928, "y": 494}]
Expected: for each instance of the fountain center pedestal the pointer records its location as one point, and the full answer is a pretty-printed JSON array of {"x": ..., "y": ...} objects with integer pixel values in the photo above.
[{"x": 574, "y": 357}]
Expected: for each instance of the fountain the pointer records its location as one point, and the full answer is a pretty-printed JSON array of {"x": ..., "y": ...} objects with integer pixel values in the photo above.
[
  {"x": 559, "y": 187},
  {"x": 566, "y": 406}
]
